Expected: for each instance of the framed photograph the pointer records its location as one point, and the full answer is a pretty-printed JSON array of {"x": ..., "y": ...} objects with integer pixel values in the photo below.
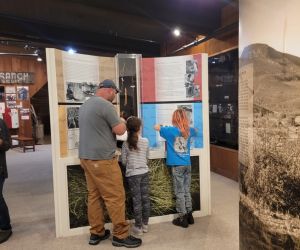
[{"x": 80, "y": 91}]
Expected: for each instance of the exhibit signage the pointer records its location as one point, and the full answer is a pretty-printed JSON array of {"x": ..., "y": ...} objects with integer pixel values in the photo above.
[{"x": 16, "y": 77}]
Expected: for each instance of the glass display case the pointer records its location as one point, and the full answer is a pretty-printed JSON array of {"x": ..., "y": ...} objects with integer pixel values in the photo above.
[{"x": 223, "y": 99}]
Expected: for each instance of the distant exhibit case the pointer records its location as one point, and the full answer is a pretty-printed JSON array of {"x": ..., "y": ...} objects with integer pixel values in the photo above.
[
  {"x": 223, "y": 113},
  {"x": 151, "y": 88}
]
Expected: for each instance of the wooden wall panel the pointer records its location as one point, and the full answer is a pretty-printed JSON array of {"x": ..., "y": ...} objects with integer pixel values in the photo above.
[
  {"x": 60, "y": 76},
  {"x": 107, "y": 68},
  {"x": 25, "y": 64},
  {"x": 63, "y": 130},
  {"x": 217, "y": 45},
  {"x": 230, "y": 14},
  {"x": 40, "y": 76},
  {"x": 224, "y": 161},
  {"x": 5, "y": 63}
]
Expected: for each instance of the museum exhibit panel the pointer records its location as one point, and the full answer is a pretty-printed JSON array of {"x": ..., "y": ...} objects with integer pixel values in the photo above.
[{"x": 151, "y": 88}]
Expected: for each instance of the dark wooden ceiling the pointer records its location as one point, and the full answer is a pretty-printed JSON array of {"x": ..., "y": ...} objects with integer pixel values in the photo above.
[{"x": 112, "y": 26}]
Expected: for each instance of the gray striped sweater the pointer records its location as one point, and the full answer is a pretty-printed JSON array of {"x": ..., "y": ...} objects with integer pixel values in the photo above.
[{"x": 136, "y": 160}]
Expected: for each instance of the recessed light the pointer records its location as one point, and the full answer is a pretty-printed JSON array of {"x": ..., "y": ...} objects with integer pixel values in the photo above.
[
  {"x": 176, "y": 32},
  {"x": 72, "y": 51}
]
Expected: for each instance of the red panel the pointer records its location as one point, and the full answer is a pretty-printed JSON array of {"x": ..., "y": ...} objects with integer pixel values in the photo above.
[
  {"x": 7, "y": 118},
  {"x": 148, "y": 80}
]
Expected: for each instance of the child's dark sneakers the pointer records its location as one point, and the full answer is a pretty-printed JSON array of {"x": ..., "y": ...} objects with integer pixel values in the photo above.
[
  {"x": 181, "y": 221},
  {"x": 95, "y": 239},
  {"x": 5, "y": 235},
  {"x": 190, "y": 218}
]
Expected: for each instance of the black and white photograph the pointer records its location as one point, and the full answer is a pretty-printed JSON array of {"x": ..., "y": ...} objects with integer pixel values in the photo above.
[
  {"x": 192, "y": 90},
  {"x": 73, "y": 138},
  {"x": 191, "y": 66},
  {"x": 23, "y": 93},
  {"x": 269, "y": 126},
  {"x": 11, "y": 97},
  {"x": 11, "y": 104},
  {"x": 10, "y": 89},
  {"x": 80, "y": 91},
  {"x": 73, "y": 126},
  {"x": 72, "y": 117}
]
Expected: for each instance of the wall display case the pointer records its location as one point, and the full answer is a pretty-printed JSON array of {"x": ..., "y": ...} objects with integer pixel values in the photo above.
[
  {"x": 128, "y": 76},
  {"x": 134, "y": 81},
  {"x": 223, "y": 99}
]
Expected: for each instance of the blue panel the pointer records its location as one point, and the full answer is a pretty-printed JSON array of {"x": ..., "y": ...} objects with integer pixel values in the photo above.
[
  {"x": 149, "y": 120},
  {"x": 198, "y": 123}
]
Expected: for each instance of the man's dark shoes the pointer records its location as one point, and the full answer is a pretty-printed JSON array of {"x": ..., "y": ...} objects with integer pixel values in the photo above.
[
  {"x": 181, "y": 221},
  {"x": 190, "y": 218},
  {"x": 129, "y": 242},
  {"x": 95, "y": 239},
  {"x": 4, "y": 235}
]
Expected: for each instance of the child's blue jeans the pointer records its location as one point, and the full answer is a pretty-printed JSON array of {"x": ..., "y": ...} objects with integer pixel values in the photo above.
[{"x": 182, "y": 183}]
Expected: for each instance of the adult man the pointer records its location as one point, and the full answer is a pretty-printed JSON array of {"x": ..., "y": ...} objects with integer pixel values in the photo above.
[
  {"x": 5, "y": 144},
  {"x": 99, "y": 124}
]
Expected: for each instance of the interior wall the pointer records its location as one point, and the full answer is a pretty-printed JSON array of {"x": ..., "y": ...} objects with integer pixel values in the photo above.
[
  {"x": 25, "y": 64},
  {"x": 269, "y": 124}
]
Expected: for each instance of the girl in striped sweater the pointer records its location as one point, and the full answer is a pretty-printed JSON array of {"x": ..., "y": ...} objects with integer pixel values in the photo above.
[{"x": 134, "y": 156}]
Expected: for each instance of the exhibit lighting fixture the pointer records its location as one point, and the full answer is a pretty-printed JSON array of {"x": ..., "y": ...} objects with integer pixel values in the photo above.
[
  {"x": 39, "y": 59},
  {"x": 176, "y": 32},
  {"x": 72, "y": 51}
]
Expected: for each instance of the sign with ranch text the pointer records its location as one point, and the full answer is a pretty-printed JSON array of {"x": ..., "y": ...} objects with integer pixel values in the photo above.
[{"x": 16, "y": 77}]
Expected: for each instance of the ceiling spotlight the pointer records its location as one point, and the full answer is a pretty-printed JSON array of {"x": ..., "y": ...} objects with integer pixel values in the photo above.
[
  {"x": 39, "y": 59},
  {"x": 176, "y": 32},
  {"x": 72, "y": 51}
]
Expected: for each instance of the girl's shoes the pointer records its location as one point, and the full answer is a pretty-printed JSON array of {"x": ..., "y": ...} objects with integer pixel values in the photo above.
[
  {"x": 138, "y": 231},
  {"x": 145, "y": 228}
]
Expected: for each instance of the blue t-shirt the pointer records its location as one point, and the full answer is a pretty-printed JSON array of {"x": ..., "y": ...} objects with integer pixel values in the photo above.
[{"x": 178, "y": 148}]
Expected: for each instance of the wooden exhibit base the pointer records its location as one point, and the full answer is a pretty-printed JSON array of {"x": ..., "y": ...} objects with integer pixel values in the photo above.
[{"x": 224, "y": 161}]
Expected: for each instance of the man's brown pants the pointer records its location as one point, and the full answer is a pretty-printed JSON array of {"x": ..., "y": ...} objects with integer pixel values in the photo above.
[{"x": 105, "y": 184}]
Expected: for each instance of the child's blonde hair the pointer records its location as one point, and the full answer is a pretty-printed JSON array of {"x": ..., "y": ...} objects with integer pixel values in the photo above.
[{"x": 181, "y": 121}]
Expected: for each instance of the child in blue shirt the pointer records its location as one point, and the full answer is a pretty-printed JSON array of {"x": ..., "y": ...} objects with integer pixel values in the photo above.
[{"x": 178, "y": 139}]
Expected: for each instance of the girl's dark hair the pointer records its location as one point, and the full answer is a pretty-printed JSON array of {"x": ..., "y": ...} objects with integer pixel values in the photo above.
[{"x": 133, "y": 126}]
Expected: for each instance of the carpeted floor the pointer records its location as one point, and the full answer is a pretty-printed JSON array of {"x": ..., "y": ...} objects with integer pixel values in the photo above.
[{"x": 29, "y": 194}]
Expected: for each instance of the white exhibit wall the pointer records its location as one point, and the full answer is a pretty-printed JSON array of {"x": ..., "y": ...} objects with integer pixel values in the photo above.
[{"x": 60, "y": 162}]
